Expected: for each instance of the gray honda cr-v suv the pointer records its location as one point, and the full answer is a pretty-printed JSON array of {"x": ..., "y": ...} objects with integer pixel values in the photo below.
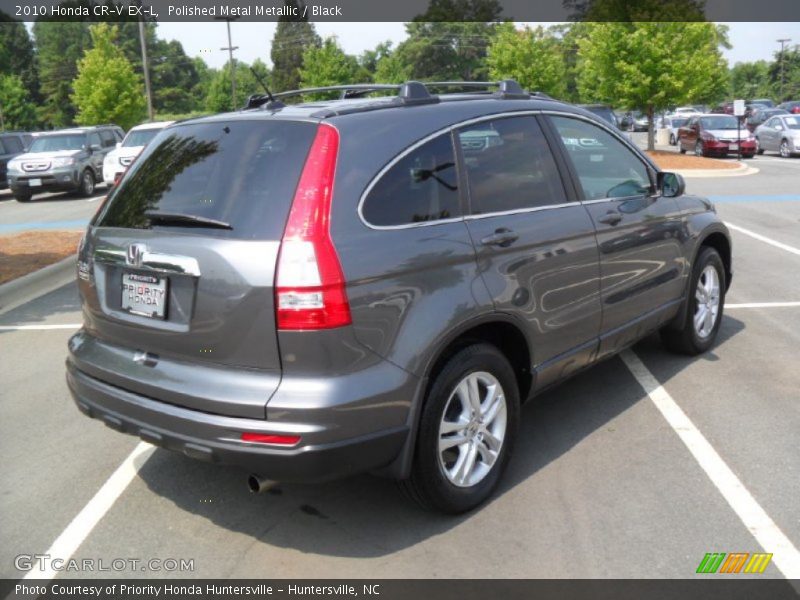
[{"x": 377, "y": 283}]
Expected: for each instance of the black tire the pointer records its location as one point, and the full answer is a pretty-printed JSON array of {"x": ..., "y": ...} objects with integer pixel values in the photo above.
[
  {"x": 784, "y": 149},
  {"x": 672, "y": 141},
  {"x": 759, "y": 149},
  {"x": 428, "y": 485},
  {"x": 681, "y": 149},
  {"x": 87, "y": 184},
  {"x": 684, "y": 338},
  {"x": 23, "y": 197}
]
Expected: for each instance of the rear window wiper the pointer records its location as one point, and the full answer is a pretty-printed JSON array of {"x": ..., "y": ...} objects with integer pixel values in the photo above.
[{"x": 181, "y": 219}]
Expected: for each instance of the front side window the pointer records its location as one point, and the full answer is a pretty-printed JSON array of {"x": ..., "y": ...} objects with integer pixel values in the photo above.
[
  {"x": 509, "y": 166},
  {"x": 420, "y": 187},
  {"x": 606, "y": 168}
]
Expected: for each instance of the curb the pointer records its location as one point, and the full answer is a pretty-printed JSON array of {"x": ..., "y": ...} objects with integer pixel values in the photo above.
[
  {"x": 29, "y": 287},
  {"x": 739, "y": 171}
]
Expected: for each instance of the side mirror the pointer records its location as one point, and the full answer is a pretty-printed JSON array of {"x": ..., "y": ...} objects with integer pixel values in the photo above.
[
  {"x": 671, "y": 185},
  {"x": 95, "y": 147}
]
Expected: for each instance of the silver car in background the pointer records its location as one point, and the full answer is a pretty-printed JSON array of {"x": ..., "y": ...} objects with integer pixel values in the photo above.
[{"x": 779, "y": 134}]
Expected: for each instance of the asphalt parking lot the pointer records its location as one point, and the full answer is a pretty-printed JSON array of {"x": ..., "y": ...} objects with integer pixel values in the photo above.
[{"x": 609, "y": 480}]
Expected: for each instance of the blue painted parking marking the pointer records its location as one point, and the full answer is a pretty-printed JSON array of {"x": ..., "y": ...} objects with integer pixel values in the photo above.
[
  {"x": 757, "y": 198},
  {"x": 74, "y": 224}
]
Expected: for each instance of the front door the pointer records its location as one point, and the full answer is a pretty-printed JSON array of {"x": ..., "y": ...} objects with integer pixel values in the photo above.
[{"x": 638, "y": 232}]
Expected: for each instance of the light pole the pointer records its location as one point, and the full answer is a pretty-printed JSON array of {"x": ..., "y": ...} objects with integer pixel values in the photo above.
[
  {"x": 230, "y": 50},
  {"x": 782, "y": 42},
  {"x": 146, "y": 69}
]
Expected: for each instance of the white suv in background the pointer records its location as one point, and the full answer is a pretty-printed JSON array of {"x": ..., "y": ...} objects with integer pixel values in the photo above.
[{"x": 119, "y": 159}]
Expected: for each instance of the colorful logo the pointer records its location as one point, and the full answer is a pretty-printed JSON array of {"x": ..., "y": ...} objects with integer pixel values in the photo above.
[{"x": 736, "y": 562}]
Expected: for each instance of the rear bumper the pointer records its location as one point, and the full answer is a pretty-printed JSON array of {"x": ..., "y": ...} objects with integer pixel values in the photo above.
[{"x": 216, "y": 438}]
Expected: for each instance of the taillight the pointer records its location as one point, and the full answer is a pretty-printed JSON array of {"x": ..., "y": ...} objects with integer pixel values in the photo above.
[{"x": 309, "y": 284}]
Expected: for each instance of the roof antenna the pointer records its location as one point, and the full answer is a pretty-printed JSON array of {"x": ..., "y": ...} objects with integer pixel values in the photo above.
[{"x": 253, "y": 102}]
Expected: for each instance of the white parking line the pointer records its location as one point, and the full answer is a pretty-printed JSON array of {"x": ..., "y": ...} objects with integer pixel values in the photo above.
[
  {"x": 81, "y": 526},
  {"x": 763, "y": 305},
  {"x": 764, "y": 239},
  {"x": 785, "y": 556},
  {"x": 38, "y": 327}
]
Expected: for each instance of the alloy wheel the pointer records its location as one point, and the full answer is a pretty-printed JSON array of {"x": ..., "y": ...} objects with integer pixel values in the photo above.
[
  {"x": 472, "y": 429},
  {"x": 707, "y": 296}
]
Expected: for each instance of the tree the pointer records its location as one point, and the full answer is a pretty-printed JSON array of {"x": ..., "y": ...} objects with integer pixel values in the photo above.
[
  {"x": 173, "y": 76},
  {"x": 786, "y": 86},
  {"x": 292, "y": 37},
  {"x": 531, "y": 56},
  {"x": 750, "y": 80},
  {"x": 17, "y": 56},
  {"x": 60, "y": 45},
  {"x": 652, "y": 66},
  {"x": 390, "y": 68},
  {"x": 107, "y": 90},
  {"x": 369, "y": 59},
  {"x": 219, "y": 89},
  {"x": 328, "y": 65},
  {"x": 15, "y": 104}
]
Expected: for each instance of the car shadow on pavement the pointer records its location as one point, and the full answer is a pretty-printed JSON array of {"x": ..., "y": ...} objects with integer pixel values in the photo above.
[
  {"x": 367, "y": 516},
  {"x": 61, "y": 300}
]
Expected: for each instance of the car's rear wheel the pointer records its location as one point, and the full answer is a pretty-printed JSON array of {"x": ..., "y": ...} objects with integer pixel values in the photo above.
[
  {"x": 706, "y": 301},
  {"x": 23, "y": 196},
  {"x": 87, "y": 183},
  {"x": 466, "y": 432}
]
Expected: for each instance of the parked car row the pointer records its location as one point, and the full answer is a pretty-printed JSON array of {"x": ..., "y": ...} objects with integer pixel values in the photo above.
[
  {"x": 69, "y": 160},
  {"x": 715, "y": 135}
]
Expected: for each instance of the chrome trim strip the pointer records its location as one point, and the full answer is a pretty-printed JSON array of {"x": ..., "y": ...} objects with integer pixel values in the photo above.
[
  {"x": 151, "y": 261},
  {"x": 521, "y": 211}
]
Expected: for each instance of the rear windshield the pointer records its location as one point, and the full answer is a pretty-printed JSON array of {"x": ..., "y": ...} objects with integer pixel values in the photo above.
[
  {"x": 141, "y": 137},
  {"x": 243, "y": 173},
  {"x": 54, "y": 143}
]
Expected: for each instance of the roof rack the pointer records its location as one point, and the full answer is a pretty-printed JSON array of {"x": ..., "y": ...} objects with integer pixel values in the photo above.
[{"x": 408, "y": 93}]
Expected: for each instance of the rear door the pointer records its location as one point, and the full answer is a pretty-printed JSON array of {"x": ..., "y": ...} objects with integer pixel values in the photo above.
[
  {"x": 178, "y": 268},
  {"x": 638, "y": 233},
  {"x": 535, "y": 244}
]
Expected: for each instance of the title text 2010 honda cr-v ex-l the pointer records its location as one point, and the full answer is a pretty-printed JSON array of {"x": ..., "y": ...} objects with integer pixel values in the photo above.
[{"x": 377, "y": 283}]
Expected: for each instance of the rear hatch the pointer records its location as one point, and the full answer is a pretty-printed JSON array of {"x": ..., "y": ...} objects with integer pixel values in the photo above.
[{"x": 177, "y": 268}]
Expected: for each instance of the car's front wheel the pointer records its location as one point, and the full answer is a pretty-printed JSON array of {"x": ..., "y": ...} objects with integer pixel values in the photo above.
[
  {"x": 23, "y": 196},
  {"x": 698, "y": 148},
  {"x": 785, "y": 152},
  {"x": 467, "y": 431},
  {"x": 706, "y": 300}
]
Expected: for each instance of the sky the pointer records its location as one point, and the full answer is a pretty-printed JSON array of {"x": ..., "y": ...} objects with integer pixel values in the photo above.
[{"x": 751, "y": 41}]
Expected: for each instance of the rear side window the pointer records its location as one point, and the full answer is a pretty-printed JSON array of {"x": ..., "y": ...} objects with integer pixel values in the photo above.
[
  {"x": 509, "y": 166},
  {"x": 108, "y": 138},
  {"x": 421, "y": 187},
  {"x": 243, "y": 173}
]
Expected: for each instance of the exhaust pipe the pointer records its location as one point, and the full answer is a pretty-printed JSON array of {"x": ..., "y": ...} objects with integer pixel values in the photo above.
[{"x": 258, "y": 484}]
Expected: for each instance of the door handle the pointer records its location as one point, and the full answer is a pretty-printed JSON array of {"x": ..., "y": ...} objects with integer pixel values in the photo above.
[
  {"x": 612, "y": 217},
  {"x": 501, "y": 237}
]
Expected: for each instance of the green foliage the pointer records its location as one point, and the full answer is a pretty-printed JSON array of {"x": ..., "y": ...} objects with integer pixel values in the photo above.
[
  {"x": 59, "y": 45},
  {"x": 292, "y": 38},
  {"x": 533, "y": 57},
  {"x": 107, "y": 90},
  {"x": 651, "y": 66},
  {"x": 640, "y": 10},
  {"x": 173, "y": 77},
  {"x": 751, "y": 80},
  {"x": 328, "y": 65},
  {"x": 790, "y": 89},
  {"x": 17, "y": 56},
  {"x": 390, "y": 68},
  {"x": 218, "y": 98},
  {"x": 15, "y": 104}
]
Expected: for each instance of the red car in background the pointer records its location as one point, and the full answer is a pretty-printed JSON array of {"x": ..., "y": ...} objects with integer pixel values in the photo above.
[
  {"x": 715, "y": 135},
  {"x": 793, "y": 106}
]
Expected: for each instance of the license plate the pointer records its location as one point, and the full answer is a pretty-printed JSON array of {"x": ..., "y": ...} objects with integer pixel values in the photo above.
[
  {"x": 34, "y": 182},
  {"x": 733, "y": 146},
  {"x": 144, "y": 295}
]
